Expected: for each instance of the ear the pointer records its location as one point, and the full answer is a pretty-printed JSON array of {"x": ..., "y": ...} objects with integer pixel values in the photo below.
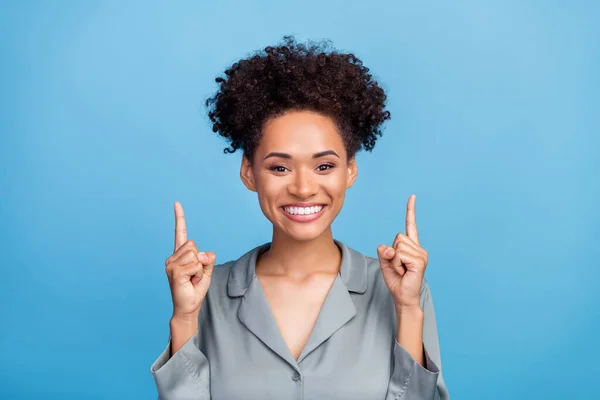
[
  {"x": 247, "y": 174},
  {"x": 352, "y": 172}
]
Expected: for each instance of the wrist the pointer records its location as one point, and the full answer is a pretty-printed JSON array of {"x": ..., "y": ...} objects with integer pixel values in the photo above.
[
  {"x": 410, "y": 331},
  {"x": 413, "y": 311},
  {"x": 184, "y": 319},
  {"x": 182, "y": 327}
]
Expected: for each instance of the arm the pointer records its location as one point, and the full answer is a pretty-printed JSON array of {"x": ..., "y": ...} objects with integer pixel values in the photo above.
[
  {"x": 181, "y": 332},
  {"x": 416, "y": 356},
  {"x": 182, "y": 371},
  {"x": 410, "y": 332}
]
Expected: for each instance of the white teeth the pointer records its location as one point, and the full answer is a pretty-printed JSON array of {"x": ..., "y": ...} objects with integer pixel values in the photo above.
[{"x": 303, "y": 210}]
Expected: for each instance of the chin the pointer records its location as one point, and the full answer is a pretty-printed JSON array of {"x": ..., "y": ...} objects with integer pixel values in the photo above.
[
  {"x": 301, "y": 232},
  {"x": 304, "y": 235}
]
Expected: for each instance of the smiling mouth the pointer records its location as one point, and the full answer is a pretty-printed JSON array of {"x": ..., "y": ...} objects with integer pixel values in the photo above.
[
  {"x": 303, "y": 214},
  {"x": 292, "y": 210}
]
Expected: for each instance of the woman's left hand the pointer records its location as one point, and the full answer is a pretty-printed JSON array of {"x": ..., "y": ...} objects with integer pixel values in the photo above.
[{"x": 403, "y": 264}]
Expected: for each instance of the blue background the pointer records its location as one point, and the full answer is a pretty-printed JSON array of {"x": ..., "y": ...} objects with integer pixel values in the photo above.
[{"x": 494, "y": 126}]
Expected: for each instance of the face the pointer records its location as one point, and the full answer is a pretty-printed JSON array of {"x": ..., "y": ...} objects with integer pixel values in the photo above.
[{"x": 300, "y": 172}]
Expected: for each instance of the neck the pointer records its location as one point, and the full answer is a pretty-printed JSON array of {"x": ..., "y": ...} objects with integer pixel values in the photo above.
[{"x": 298, "y": 259}]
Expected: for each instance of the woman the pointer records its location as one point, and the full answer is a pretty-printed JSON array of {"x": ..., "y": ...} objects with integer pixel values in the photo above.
[{"x": 304, "y": 316}]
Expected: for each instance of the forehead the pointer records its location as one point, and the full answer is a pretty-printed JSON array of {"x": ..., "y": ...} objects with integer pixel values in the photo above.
[{"x": 300, "y": 133}]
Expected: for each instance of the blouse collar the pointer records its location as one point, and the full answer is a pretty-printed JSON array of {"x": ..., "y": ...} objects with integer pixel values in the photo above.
[{"x": 353, "y": 270}]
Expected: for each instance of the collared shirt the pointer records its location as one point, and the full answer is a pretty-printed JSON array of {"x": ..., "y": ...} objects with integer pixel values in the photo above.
[{"x": 351, "y": 353}]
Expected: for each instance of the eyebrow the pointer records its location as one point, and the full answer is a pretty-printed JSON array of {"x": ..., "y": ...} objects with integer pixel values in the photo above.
[{"x": 316, "y": 155}]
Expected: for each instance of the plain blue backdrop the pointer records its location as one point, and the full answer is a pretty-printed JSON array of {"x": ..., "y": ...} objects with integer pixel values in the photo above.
[{"x": 494, "y": 126}]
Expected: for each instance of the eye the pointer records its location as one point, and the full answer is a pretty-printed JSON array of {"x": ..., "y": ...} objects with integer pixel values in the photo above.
[
  {"x": 278, "y": 168},
  {"x": 325, "y": 167}
]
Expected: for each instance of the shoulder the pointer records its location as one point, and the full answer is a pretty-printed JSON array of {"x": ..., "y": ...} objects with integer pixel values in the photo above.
[
  {"x": 221, "y": 271},
  {"x": 233, "y": 277}
]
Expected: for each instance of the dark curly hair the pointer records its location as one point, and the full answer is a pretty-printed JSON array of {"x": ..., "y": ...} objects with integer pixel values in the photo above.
[{"x": 296, "y": 76}]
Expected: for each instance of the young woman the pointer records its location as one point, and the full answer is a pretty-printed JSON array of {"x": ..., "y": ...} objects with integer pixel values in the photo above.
[{"x": 303, "y": 316}]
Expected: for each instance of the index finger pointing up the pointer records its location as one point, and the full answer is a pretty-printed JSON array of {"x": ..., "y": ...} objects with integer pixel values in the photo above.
[
  {"x": 180, "y": 229},
  {"x": 411, "y": 219}
]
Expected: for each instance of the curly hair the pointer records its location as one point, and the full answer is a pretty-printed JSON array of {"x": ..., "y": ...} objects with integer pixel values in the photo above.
[{"x": 296, "y": 76}]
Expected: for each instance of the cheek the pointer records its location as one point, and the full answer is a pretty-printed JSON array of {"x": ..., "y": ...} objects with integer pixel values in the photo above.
[
  {"x": 269, "y": 190},
  {"x": 335, "y": 185}
]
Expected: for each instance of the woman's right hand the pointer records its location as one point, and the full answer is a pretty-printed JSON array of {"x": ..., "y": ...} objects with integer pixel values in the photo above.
[{"x": 188, "y": 270}]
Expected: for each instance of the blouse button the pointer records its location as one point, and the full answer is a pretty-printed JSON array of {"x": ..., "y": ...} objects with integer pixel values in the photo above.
[{"x": 296, "y": 377}]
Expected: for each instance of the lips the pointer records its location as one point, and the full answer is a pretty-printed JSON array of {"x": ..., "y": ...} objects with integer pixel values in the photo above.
[{"x": 304, "y": 212}]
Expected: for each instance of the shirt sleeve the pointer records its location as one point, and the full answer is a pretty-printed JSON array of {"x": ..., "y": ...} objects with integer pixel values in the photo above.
[
  {"x": 185, "y": 375},
  {"x": 410, "y": 380}
]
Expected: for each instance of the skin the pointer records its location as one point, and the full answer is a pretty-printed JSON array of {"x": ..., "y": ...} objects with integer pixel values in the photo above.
[
  {"x": 301, "y": 158},
  {"x": 298, "y": 270}
]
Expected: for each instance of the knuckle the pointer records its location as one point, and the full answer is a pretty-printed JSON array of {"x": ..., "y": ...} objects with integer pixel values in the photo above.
[
  {"x": 175, "y": 275},
  {"x": 190, "y": 253},
  {"x": 178, "y": 272}
]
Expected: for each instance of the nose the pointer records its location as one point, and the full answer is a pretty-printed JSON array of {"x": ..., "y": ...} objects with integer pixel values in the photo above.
[{"x": 303, "y": 185}]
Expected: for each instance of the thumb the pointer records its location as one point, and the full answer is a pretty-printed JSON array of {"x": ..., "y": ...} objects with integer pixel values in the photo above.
[
  {"x": 203, "y": 274},
  {"x": 385, "y": 254},
  {"x": 207, "y": 259},
  {"x": 209, "y": 267}
]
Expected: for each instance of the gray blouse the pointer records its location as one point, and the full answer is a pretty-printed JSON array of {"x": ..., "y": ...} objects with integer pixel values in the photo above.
[{"x": 352, "y": 352}]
